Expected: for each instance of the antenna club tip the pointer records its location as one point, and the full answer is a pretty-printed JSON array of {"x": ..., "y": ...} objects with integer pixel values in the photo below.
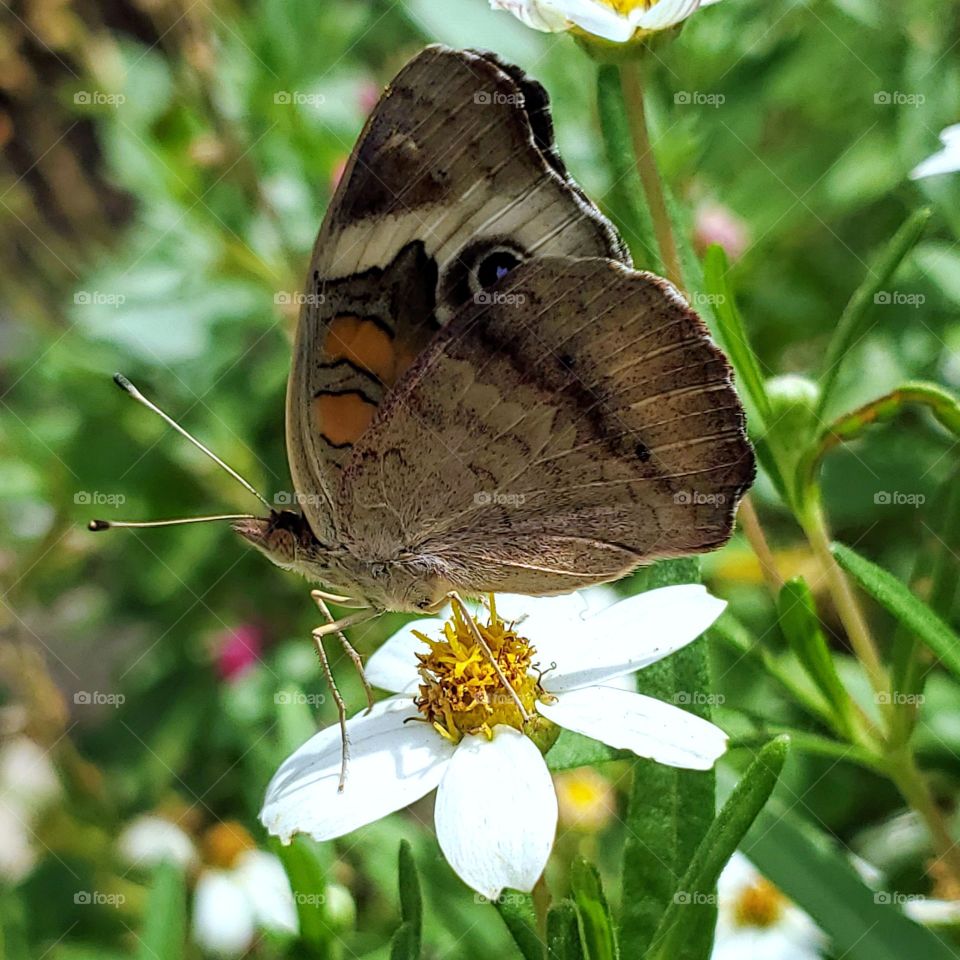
[
  {"x": 96, "y": 525},
  {"x": 123, "y": 383}
]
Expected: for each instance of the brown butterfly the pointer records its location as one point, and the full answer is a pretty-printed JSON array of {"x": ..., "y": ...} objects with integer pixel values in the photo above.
[{"x": 485, "y": 396}]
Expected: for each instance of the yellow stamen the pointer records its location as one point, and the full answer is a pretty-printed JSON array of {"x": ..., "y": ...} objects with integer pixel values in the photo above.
[
  {"x": 224, "y": 842},
  {"x": 759, "y": 905},
  {"x": 461, "y": 692}
]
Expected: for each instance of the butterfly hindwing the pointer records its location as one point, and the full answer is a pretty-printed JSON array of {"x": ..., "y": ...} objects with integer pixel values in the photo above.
[{"x": 576, "y": 424}]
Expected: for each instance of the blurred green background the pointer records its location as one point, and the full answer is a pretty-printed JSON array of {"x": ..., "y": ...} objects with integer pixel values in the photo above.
[{"x": 165, "y": 169}]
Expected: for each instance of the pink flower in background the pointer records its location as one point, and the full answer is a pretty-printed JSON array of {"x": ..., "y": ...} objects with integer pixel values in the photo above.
[
  {"x": 238, "y": 650},
  {"x": 715, "y": 223},
  {"x": 368, "y": 95}
]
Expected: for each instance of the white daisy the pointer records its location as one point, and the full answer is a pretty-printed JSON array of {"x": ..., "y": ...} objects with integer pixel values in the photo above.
[
  {"x": 757, "y": 922},
  {"x": 946, "y": 160},
  {"x": 452, "y": 726},
  {"x": 239, "y": 889},
  {"x": 614, "y": 20}
]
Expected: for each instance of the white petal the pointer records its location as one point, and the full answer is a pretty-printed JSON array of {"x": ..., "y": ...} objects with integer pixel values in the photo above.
[
  {"x": 738, "y": 874},
  {"x": 538, "y": 15},
  {"x": 223, "y": 922},
  {"x": 265, "y": 881},
  {"x": 648, "y": 727},
  {"x": 929, "y": 911},
  {"x": 149, "y": 840},
  {"x": 392, "y": 763},
  {"x": 496, "y": 812},
  {"x": 663, "y": 14},
  {"x": 394, "y": 665},
  {"x": 553, "y": 15},
  {"x": 539, "y": 617},
  {"x": 628, "y": 636},
  {"x": 946, "y": 161}
]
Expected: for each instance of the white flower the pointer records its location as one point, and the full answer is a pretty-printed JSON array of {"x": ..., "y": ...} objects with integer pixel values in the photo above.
[
  {"x": 615, "y": 20},
  {"x": 757, "y": 922},
  {"x": 946, "y": 160},
  {"x": 28, "y": 785},
  {"x": 239, "y": 889},
  {"x": 496, "y": 809}
]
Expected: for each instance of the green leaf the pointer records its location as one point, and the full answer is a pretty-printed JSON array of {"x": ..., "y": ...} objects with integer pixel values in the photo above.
[
  {"x": 670, "y": 809},
  {"x": 516, "y": 910},
  {"x": 306, "y": 863},
  {"x": 797, "y": 614},
  {"x": 563, "y": 933},
  {"x": 411, "y": 901},
  {"x": 403, "y": 946},
  {"x": 913, "y": 613},
  {"x": 809, "y": 868},
  {"x": 596, "y": 924},
  {"x": 625, "y": 201},
  {"x": 294, "y": 718},
  {"x": 697, "y": 887},
  {"x": 164, "y": 932},
  {"x": 733, "y": 333},
  {"x": 851, "y": 325}
]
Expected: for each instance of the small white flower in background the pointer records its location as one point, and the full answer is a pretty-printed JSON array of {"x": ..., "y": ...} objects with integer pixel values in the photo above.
[
  {"x": 239, "y": 890},
  {"x": 452, "y": 726},
  {"x": 28, "y": 785},
  {"x": 757, "y": 922},
  {"x": 614, "y": 20},
  {"x": 946, "y": 160}
]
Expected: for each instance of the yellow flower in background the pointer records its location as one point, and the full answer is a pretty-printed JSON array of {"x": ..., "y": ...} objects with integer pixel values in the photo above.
[
  {"x": 615, "y": 20},
  {"x": 586, "y": 799}
]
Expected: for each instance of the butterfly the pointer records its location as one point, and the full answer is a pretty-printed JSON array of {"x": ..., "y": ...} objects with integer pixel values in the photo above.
[{"x": 485, "y": 396}]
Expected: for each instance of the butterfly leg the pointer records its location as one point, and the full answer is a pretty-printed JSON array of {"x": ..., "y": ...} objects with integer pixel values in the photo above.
[
  {"x": 341, "y": 708},
  {"x": 478, "y": 639},
  {"x": 348, "y": 647},
  {"x": 319, "y": 595}
]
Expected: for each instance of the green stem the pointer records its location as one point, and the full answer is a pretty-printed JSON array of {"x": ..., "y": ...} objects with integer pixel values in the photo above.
[{"x": 631, "y": 79}]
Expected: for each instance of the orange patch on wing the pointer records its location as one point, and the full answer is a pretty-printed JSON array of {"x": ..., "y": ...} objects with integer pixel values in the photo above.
[
  {"x": 342, "y": 418},
  {"x": 364, "y": 344}
]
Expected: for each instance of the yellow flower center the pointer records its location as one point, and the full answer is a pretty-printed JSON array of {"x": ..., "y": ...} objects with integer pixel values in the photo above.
[
  {"x": 759, "y": 905},
  {"x": 224, "y": 842},
  {"x": 461, "y": 691},
  {"x": 623, "y": 7}
]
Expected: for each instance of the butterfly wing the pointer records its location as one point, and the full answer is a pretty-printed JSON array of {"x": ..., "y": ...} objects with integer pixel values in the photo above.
[
  {"x": 580, "y": 423},
  {"x": 455, "y": 168}
]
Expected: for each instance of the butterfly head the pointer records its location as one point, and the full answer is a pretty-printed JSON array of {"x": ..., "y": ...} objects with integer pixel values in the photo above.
[{"x": 284, "y": 536}]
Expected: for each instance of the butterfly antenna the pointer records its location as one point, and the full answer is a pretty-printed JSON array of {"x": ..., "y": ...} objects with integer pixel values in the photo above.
[
  {"x": 97, "y": 525},
  {"x": 127, "y": 387}
]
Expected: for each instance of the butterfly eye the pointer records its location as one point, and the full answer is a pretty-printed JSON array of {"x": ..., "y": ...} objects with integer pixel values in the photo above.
[{"x": 494, "y": 266}]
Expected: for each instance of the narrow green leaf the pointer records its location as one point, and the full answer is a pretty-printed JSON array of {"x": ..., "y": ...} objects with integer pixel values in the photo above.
[
  {"x": 626, "y": 205},
  {"x": 165, "y": 927},
  {"x": 733, "y": 333},
  {"x": 306, "y": 863},
  {"x": 403, "y": 946},
  {"x": 913, "y": 613},
  {"x": 670, "y": 809},
  {"x": 596, "y": 924},
  {"x": 809, "y": 868},
  {"x": 411, "y": 901},
  {"x": 516, "y": 910},
  {"x": 563, "y": 933},
  {"x": 725, "y": 833},
  {"x": 797, "y": 615},
  {"x": 851, "y": 324}
]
